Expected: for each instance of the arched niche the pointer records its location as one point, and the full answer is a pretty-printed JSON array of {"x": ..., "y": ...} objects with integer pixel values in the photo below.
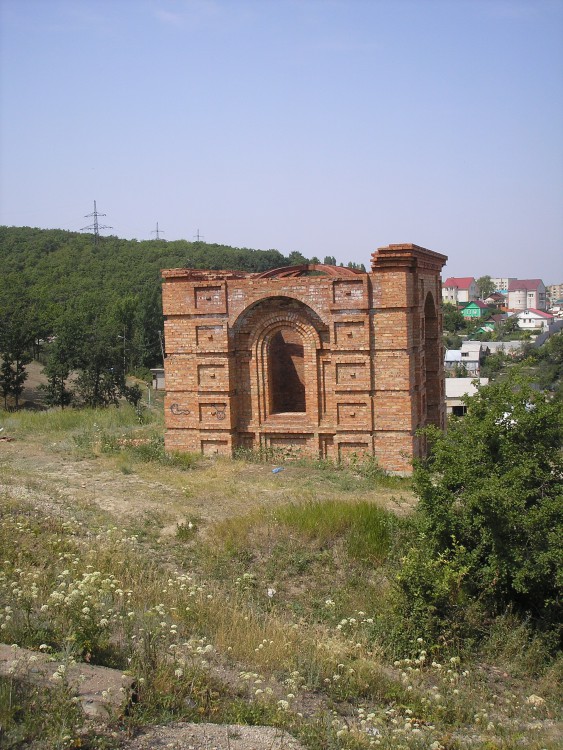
[
  {"x": 286, "y": 371},
  {"x": 276, "y": 343}
]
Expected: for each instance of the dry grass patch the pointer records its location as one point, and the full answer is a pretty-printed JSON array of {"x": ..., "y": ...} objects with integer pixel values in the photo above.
[{"x": 273, "y": 606}]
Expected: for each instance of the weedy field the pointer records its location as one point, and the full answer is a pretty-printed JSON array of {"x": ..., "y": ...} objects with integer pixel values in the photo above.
[{"x": 231, "y": 594}]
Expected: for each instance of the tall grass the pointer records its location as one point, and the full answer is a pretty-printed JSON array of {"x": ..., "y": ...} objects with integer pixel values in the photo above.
[
  {"x": 368, "y": 528},
  {"x": 75, "y": 421}
]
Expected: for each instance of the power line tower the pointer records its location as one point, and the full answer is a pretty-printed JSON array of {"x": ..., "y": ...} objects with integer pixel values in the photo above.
[
  {"x": 198, "y": 237},
  {"x": 158, "y": 232},
  {"x": 95, "y": 227}
]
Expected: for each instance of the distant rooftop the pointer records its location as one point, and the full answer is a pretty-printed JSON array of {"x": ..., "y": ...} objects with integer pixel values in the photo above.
[
  {"x": 518, "y": 284},
  {"x": 458, "y": 387},
  {"x": 463, "y": 282}
]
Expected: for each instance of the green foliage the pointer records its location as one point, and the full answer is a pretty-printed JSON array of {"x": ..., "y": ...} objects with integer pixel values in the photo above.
[
  {"x": 31, "y": 713},
  {"x": 99, "y": 307},
  {"x": 486, "y": 286},
  {"x": 509, "y": 329},
  {"x": 133, "y": 394},
  {"x": 453, "y": 320},
  {"x": 548, "y": 361},
  {"x": 452, "y": 341},
  {"x": 493, "y": 364},
  {"x": 19, "y": 327},
  {"x": 368, "y": 529},
  {"x": 491, "y": 503}
]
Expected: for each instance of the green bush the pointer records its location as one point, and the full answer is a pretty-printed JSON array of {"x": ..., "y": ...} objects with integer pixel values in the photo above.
[{"x": 491, "y": 504}]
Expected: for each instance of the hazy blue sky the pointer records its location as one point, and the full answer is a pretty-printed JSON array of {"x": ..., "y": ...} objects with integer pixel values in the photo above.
[{"x": 326, "y": 126}]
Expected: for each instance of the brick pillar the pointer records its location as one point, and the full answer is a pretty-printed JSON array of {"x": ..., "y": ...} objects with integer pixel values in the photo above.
[{"x": 406, "y": 360}]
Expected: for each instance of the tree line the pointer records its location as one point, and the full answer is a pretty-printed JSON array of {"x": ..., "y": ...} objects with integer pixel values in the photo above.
[{"x": 94, "y": 310}]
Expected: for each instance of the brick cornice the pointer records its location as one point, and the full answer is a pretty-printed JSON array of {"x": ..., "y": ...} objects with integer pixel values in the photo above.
[{"x": 407, "y": 256}]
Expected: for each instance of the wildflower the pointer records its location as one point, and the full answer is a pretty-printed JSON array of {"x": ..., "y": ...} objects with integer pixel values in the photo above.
[
  {"x": 284, "y": 705},
  {"x": 535, "y": 701}
]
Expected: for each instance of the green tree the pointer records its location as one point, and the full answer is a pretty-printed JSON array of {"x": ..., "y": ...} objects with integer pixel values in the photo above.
[
  {"x": 7, "y": 381},
  {"x": 99, "y": 359},
  {"x": 486, "y": 286},
  {"x": 453, "y": 320},
  {"x": 61, "y": 360},
  {"x": 296, "y": 258},
  {"x": 17, "y": 336},
  {"x": 493, "y": 364},
  {"x": 508, "y": 328},
  {"x": 491, "y": 505},
  {"x": 452, "y": 341},
  {"x": 356, "y": 266}
]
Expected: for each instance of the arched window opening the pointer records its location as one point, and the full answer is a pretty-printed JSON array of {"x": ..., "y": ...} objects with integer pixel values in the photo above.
[
  {"x": 432, "y": 361},
  {"x": 286, "y": 372}
]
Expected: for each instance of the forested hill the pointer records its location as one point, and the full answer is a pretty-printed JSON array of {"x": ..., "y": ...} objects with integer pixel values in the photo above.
[
  {"x": 65, "y": 264},
  {"x": 53, "y": 281}
]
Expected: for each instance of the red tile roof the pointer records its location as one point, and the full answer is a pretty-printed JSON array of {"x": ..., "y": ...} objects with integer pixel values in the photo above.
[
  {"x": 518, "y": 284},
  {"x": 497, "y": 296},
  {"x": 541, "y": 313},
  {"x": 461, "y": 283}
]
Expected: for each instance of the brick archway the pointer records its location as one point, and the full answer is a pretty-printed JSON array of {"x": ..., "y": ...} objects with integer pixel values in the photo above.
[
  {"x": 257, "y": 334},
  {"x": 364, "y": 349}
]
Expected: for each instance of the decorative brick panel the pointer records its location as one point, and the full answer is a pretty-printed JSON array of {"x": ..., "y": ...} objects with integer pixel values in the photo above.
[{"x": 335, "y": 364}]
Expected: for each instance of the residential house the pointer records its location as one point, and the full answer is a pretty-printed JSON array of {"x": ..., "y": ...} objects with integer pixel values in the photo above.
[
  {"x": 534, "y": 320},
  {"x": 468, "y": 357},
  {"x": 452, "y": 361},
  {"x": 475, "y": 309},
  {"x": 456, "y": 389},
  {"x": 493, "y": 323},
  {"x": 487, "y": 327},
  {"x": 471, "y": 355},
  {"x": 526, "y": 294},
  {"x": 501, "y": 285},
  {"x": 457, "y": 291},
  {"x": 496, "y": 299}
]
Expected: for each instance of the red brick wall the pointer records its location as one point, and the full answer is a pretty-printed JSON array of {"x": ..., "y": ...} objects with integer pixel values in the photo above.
[{"x": 371, "y": 364}]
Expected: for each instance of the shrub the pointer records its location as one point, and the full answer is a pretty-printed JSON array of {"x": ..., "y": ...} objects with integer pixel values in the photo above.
[{"x": 492, "y": 487}]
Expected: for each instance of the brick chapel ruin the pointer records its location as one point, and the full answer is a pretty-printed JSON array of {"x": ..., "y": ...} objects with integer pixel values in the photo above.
[{"x": 322, "y": 360}]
